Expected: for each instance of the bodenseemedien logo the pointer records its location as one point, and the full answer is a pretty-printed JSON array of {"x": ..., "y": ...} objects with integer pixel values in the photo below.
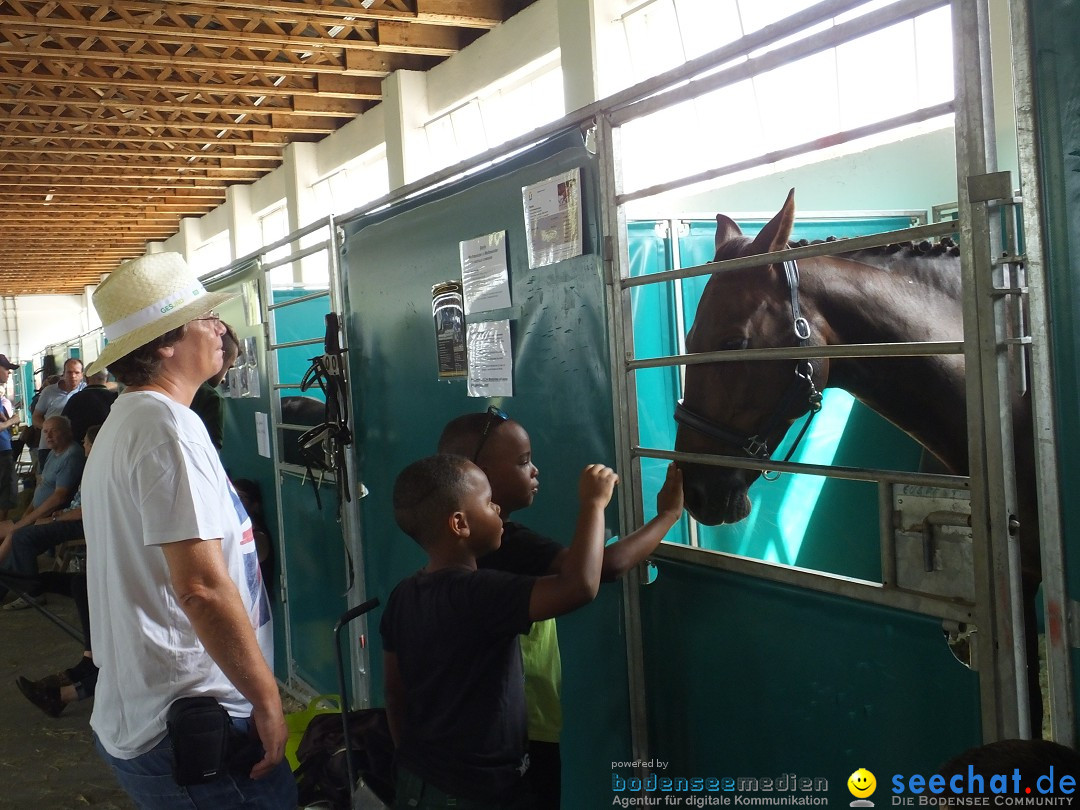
[{"x": 862, "y": 785}]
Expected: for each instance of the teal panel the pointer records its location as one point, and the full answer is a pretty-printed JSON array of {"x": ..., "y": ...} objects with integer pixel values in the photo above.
[
  {"x": 239, "y": 456},
  {"x": 792, "y": 520},
  {"x": 562, "y": 395},
  {"x": 759, "y": 680},
  {"x": 299, "y": 321},
  {"x": 1056, "y": 27},
  {"x": 318, "y": 578}
]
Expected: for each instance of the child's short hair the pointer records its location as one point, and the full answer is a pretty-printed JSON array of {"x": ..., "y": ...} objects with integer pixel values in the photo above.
[
  {"x": 427, "y": 491},
  {"x": 462, "y": 434}
]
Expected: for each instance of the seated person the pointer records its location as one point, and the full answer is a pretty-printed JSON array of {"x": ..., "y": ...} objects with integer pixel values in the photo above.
[
  {"x": 47, "y": 523},
  {"x": 53, "y": 692},
  {"x": 455, "y": 697}
]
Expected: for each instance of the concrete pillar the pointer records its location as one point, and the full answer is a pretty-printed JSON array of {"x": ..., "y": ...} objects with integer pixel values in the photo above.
[
  {"x": 405, "y": 107},
  {"x": 243, "y": 229}
]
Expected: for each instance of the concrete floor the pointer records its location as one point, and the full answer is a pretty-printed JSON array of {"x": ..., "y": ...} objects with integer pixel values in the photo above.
[{"x": 47, "y": 762}]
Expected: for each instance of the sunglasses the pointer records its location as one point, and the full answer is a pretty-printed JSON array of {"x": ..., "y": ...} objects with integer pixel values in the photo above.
[
  {"x": 209, "y": 316},
  {"x": 495, "y": 416}
]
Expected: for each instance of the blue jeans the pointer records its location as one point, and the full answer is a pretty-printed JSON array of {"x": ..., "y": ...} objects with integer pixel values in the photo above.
[{"x": 148, "y": 780}]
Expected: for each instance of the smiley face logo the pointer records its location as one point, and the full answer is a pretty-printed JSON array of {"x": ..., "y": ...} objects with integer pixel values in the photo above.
[{"x": 861, "y": 783}]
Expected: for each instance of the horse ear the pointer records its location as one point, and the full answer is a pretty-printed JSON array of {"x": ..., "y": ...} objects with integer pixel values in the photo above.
[
  {"x": 726, "y": 229},
  {"x": 775, "y": 235}
]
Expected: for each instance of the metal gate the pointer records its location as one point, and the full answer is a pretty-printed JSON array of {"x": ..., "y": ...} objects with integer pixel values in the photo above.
[{"x": 994, "y": 350}]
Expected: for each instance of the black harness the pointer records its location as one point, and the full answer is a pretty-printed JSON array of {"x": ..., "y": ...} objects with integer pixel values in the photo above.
[
  {"x": 323, "y": 446},
  {"x": 755, "y": 445}
]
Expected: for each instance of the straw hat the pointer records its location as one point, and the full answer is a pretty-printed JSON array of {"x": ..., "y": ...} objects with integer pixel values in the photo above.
[{"x": 145, "y": 298}]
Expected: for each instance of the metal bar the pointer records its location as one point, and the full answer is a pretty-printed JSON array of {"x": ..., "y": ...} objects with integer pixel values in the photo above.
[
  {"x": 624, "y": 393},
  {"x": 846, "y": 136},
  {"x": 831, "y": 584},
  {"x": 303, "y": 298},
  {"x": 286, "y": 386},
  {"x": 1042, "y": 392},
  {"x": 800, "y": 352},
  {"x": 886, "y": 533},
  {"x": 834, "y": 248},
  {"x": 292, "y": 344},
  {"x": 849, "y": 473},
  {"x": 1001, "y": 675},
  {"x": 303, "y": 253}
]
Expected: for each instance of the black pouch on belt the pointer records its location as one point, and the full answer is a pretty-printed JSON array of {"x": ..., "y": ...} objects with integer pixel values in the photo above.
[{"x": 199, "y": 730}]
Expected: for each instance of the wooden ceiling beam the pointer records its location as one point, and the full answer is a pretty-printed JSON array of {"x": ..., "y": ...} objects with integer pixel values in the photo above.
[
  {"x": 258, "y": 138},
  {"x": 167, "y": 171},
  {"x": 482, "y": 14},
  {"x": 279, "y": 122}
]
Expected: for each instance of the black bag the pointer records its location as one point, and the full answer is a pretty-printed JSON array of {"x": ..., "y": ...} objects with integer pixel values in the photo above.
[
  {"x": 199, "y": 730},
  {"x": 323, "y": 774}
]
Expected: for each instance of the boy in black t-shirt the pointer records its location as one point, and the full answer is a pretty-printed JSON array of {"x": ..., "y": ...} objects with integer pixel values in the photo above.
[
  {"x": 501, "y": 447},
  {"x": 452, "y": 667}
]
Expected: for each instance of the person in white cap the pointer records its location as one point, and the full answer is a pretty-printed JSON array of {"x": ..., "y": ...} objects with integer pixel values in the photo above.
[{"x": 177, "y": 603}]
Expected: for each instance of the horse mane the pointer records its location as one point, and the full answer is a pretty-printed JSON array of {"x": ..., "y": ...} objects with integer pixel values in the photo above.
[
  {"x": 928, "y": 261},
  {"x": 925, "y": 260},
  {"x": 945, "y": 246}
]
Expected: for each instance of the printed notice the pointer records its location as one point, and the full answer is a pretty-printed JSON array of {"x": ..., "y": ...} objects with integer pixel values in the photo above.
[
  {"x": 491, "y": 361},
  {"x": 553, "y": 218},
  {"x": 262, "y": 434},
  {"x": 484, "y": 273},
  {"x": 447, "y": 310}
]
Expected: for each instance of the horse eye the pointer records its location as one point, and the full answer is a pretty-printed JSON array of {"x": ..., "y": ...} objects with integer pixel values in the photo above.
[{"x": 734, "y": 344}]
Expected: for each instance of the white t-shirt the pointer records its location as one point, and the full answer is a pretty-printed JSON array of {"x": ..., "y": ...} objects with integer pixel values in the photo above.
[{"x": 154, "y": 477}]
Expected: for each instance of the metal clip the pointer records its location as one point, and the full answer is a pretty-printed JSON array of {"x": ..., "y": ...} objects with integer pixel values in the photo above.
[{"x": 802, "y": 328}]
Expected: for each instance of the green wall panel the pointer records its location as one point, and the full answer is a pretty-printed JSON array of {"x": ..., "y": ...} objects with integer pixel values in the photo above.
[
  {"x": 759, "y": 680},
  {"x": 1056, "y": 27},
  {"x": 562, "y": 395}
]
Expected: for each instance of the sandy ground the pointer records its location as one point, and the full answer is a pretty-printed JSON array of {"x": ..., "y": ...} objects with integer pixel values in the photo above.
[{"x": 46, "y": 762}]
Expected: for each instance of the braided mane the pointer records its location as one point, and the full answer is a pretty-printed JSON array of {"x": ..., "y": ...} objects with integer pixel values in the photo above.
[{"x": 945, "y": 246}]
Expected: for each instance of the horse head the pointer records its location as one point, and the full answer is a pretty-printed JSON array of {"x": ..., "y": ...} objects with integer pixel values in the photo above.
[{"x": 744, "y": 408}]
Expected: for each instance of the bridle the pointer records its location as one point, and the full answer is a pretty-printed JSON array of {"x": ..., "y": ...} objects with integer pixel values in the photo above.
[{"x": 755, "y": 445}]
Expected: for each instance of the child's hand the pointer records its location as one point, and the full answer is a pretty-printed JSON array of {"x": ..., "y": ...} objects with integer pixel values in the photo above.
[
  {"x": 669, "y": 500},
  {"x": 596, "y": 485}
]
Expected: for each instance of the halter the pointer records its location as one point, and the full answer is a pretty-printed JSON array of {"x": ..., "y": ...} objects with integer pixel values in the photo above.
[{"x": 753, "y": 445}]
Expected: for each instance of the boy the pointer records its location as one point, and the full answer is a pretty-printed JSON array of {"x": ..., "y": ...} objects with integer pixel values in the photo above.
[
  {"x": 501, "y": 448},
  {"x": 452, "y": 667}
]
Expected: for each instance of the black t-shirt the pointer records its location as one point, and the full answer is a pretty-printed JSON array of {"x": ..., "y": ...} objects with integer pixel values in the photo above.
[
  {"x": 87, "y": 408},
  {"x": 523, "y": 551},
  {"x": 455, "y": 635}
]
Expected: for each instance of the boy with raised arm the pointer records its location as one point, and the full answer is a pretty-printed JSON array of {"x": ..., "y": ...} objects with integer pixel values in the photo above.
[
  {"x": 452, "y": 665},
  {"x": 500, "y": 446}
]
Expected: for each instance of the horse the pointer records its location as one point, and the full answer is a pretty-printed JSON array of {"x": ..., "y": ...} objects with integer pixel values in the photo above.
[{"x": 882, "y": 295}]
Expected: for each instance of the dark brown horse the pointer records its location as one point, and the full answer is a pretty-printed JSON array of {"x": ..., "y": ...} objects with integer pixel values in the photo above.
[{"x": 883, "y": 295}]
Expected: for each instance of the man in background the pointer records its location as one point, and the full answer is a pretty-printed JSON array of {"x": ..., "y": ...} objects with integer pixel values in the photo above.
[{"x": 53, "y": 398}]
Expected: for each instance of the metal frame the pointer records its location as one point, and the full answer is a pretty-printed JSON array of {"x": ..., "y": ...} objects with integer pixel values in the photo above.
[
  {"x": 349, "y": 511},
  {"x": 992, "y": 480},
  {"x": 1058, "y": 607}
]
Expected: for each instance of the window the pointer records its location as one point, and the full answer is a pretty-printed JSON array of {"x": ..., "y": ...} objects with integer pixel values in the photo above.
[
  {"x": 905, "y": 67},
  {"x": 354, "y": 184},
  {"x": 212, "y": 255},
  {"x": 274, "y": 225},
  {"x": 521, "y": 103}
]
